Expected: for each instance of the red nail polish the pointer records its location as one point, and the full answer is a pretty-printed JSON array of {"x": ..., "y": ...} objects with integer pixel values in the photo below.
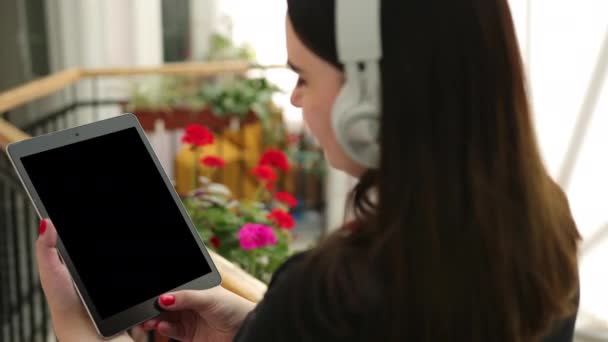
[
  {"x": 167, "y": 300},
  {"x": 42, "y": 226}
]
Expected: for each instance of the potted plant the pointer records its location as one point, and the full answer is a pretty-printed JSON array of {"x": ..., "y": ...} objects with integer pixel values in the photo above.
[
  {"x": 254, "y": 233},
  {"x": 217, "y": 103}
]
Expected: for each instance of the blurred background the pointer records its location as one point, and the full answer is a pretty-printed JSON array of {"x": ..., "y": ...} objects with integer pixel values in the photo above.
[{"x": 220, "y": 63}]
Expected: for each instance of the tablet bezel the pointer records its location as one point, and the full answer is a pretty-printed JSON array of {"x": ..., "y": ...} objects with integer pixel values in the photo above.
[{"x": 121, "y": 321}]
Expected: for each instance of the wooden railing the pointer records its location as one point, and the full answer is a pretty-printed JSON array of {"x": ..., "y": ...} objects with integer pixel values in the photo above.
[{"x": 234, "y": 278}]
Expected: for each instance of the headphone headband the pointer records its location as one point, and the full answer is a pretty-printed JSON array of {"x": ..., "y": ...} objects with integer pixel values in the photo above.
[
  {"x": 358, "y": 29},
  {"x": 356, "y": 112}
]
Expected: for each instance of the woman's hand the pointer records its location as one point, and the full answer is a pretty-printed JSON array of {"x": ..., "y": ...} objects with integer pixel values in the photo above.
[
  {"x": 209, "y": 315},
  {"x": 70, "y": 319}
]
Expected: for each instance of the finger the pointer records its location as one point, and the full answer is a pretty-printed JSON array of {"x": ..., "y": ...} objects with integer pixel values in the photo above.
[
  {"x": 172, "y": 330},
  {"x": 188, "y": 300},
  {"x": 149, "y": 325},
  {"x": 138, "y": 334},
  {"x": 54, "y": 276},
  {"x": 165, "y": 316}
]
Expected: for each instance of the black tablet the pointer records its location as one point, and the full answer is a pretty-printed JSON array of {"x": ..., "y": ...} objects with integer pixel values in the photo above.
[{"x": 123, "y": 233}]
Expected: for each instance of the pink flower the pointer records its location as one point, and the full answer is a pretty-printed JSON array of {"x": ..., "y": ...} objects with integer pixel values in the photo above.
[
  {"x": 275, "y": 158},
  {"x": 197, "y": 135},
  {"x": 253, "y": 235},
  {"x": 286, "y": 198},
  {"x": 213, "y": 161}
]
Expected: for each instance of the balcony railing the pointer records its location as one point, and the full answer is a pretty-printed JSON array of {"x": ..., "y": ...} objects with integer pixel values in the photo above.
[{"x": 23, "y": 311}]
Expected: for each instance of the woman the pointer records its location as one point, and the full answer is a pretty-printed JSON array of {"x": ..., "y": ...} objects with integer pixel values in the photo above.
[{"x": 460, "y": 234}]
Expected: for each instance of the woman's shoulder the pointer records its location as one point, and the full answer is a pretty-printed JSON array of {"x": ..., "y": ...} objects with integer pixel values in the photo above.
[
  {"x": 307, "y": 299},
  {"x": 289, "y": 266},
  {"x": 304, "y": 303}
]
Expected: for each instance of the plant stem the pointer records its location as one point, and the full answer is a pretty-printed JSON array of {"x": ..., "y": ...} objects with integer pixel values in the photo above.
[
  {"x": 195, "y": 167},
  {"x": 254, "y": 262},
  {"x": 258, "y": 193}
]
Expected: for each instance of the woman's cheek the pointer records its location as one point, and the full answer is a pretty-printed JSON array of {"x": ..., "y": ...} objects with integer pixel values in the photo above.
[{"x": 314, "y": 122}]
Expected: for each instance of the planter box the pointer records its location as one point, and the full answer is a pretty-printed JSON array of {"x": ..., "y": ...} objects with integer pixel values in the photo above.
[{"x": 239, "y": 144}]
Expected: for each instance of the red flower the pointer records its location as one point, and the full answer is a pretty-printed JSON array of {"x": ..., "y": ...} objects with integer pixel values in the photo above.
[
  {"x": 281, "y": 218},
  {"x": 286, "y": 198},
  {"x": 215, "y": 242},
  {"x": 275, "y": 158},
  {"x": 197, "y": 135},
  {"x": 264, "y": 172},
  {"x": 213, "y": 161},
  {"x": 270, "y": 186}
]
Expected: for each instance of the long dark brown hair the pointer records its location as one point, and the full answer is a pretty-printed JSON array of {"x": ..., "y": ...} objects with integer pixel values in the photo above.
[{"x": 461, "y": 234}]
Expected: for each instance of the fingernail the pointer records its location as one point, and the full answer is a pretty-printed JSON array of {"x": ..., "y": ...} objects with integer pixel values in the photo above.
[
  {"x": 167, "y": 300},
  {"x": 42, "y": 226}
]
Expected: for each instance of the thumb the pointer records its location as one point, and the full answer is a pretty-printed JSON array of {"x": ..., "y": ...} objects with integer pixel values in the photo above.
[{"x": 54, "y": 276}]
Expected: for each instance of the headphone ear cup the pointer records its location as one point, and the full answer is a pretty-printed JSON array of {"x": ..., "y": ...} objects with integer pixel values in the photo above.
[
  {"x": 342, "y": 107},
  {"x": 361, "y": 130},
  {"x": 356, "y": 126}
]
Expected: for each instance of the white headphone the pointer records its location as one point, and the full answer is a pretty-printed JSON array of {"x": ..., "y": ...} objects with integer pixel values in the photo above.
[{"x": 356, "y": 112}]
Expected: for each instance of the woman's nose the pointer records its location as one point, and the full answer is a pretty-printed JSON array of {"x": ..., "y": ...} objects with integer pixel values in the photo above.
[{"x": 296, "y": 98}]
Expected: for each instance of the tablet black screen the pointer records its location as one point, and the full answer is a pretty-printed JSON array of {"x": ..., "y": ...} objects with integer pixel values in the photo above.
[{"x": 117, "y": 219}]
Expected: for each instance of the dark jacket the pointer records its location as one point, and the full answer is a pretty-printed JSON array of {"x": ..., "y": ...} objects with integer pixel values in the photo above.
[{"x": 271, "y": 321}]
